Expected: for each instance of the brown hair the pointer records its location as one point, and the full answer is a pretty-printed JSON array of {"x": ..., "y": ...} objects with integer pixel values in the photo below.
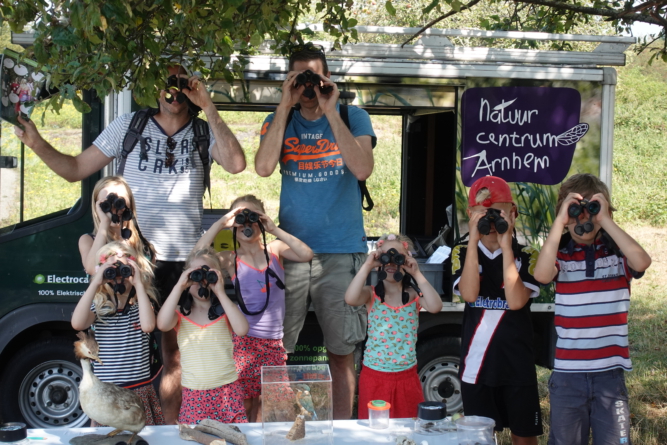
[
  {"x": 586, "y": 185},
  {"x": 137, "y": 240},
  {"x": 306, "y": 55},
  {"x": 252, "y": 199}
]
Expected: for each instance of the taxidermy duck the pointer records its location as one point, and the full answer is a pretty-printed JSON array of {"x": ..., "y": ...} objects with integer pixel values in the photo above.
[{"x": 106, "y": 403}]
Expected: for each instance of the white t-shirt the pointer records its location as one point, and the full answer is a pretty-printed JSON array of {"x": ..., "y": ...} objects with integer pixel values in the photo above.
[{"x": 168, "y": 199}]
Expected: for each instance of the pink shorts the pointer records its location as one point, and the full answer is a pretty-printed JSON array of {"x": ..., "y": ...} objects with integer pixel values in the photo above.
[
  {"x": 250, "y": 354},
  {"x": 224, "y": 404}
]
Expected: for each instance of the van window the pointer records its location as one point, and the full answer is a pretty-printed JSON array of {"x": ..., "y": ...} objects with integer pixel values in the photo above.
[{"x": 31, "y": 189}]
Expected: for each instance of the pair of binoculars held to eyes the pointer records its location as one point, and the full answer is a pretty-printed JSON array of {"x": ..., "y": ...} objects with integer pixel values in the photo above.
[
  {"x": 120, "y": 212},
  {"x": 308, "y": 77},
  {"x": 118, "y": 270},
  {"x": 389, "y": 257},
  {"x": 247, "y": 217},
  {"x": 492, "y": 217},
  {"x": 576, "y": 210},
  {"x": 205, "y": 277}
]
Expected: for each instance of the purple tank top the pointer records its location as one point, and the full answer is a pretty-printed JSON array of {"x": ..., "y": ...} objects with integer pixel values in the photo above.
[{"x": 268, "y": 324}]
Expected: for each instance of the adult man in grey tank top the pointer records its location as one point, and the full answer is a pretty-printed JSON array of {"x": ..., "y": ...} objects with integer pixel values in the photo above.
[{"x": 173, "y": 168}]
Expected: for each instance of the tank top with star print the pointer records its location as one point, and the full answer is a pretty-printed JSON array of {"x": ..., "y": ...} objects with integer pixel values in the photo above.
[{"x": 392, "y": 336}]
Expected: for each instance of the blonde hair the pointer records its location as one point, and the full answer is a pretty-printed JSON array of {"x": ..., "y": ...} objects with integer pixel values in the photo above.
[
  {"x": 584, "y": 184},
  {"x": 137, "y": 240},
  {"x": 482, "y": 194},
  {"x": 400, "y": 238},
  {"x": 105, "y": 304},
  {"x": 207, "y": 252},
  {"x": 252, "y": 199}
]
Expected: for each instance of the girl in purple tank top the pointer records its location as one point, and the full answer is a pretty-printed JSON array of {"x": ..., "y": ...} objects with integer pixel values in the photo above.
[
  {"x": 256, "y": 279},
  {"x": 389, "y": 370}
]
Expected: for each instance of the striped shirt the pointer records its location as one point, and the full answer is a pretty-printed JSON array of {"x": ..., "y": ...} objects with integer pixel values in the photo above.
[
  {"x": 124, "y": 349},
  {"x": 592, "y": 302},
  {"x": 207, "y": 353},
  {"x": 168, "y": 199}
]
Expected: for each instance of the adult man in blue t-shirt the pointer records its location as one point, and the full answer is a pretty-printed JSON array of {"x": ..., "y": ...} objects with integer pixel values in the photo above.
[{"x": 321, "y": 162}]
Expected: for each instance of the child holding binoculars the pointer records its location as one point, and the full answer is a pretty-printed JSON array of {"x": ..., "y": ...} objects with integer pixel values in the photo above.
[
  {"x": 389, "y": 370},
  {"x": 592, "y": 264},
  {"x": 120, "y": 305},
  {"x": 256, "y": 270},
  {"x": 204, "y": 320},
  {"x": 493, "y": 274}
]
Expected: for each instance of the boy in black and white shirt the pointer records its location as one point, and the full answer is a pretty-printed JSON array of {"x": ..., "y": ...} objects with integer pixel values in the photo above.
[{"x": 495, "y": 279}]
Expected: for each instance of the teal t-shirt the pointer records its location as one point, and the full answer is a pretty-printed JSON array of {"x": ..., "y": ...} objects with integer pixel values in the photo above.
[{"x": 320, "y": 200}]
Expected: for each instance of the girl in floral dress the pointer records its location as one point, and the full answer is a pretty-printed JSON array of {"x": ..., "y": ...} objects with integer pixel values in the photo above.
[{"x": 389, "y": 370}]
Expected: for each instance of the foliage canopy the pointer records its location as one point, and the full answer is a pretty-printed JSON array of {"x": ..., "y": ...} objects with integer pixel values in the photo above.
[{"x": 114, "y": 44}]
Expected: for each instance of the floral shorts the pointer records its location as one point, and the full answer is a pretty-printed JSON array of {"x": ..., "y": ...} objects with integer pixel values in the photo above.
[
  {"x": 224, "y": 404},
  {"x": 250, "y": 354}
]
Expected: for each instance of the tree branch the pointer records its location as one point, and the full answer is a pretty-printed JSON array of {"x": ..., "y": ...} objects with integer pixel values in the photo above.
[
  {"x": 442, "y": 17},
  {"x": 612, "y": 13}
]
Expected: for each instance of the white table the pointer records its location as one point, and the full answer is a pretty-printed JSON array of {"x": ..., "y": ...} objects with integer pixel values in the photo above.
[{"x": 345, "y": 432}]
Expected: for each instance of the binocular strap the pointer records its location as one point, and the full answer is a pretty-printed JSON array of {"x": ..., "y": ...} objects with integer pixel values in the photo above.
[
  {"x": 408, "y": 281},
  {"x": 268, "y": 271}
]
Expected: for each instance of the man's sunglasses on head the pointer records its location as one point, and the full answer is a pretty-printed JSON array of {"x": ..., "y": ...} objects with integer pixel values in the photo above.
[{"x": 310, "y": 46}]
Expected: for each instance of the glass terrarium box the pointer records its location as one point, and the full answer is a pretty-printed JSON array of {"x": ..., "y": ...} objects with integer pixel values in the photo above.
[{"x": 297, "y": 405}]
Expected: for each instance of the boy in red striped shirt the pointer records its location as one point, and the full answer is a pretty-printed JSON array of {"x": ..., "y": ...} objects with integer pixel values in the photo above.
[{"x": 592, "y": 265}]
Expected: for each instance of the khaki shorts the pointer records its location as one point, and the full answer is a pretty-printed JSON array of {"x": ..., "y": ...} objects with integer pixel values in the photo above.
[{"x": 323, "y": 281}]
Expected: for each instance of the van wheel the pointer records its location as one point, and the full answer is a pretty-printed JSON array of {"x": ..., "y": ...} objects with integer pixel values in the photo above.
[
  {"x": 41, "y": 386},
  {"x": 438, "y": 363}
]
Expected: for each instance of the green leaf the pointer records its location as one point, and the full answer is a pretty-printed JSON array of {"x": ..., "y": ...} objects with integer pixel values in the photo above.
[
  {"x": 256, "y": 39},
  {"x": 352, "y": 23},
  {"x": 430, "y": 6},
  {"x": 456, "y": 5},
  {"x": 80, "y": 105},
  {"x": 390, "y": 8},
  {"x": 63, "y": 37}
]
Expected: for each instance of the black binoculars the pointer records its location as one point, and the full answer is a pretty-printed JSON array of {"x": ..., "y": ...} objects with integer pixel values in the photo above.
[
  {"x": 113, "y": 204},
  {"x": 314, "y": 79},
  {"x": 118, "y": 270},
  {"x": 204, "y": 273},
  {"x": 575, "y": 210},
  {"x": 247, "y": 217},
  {"x": 392, "y": 256},
  {"x": 176, "y": 83},
  {"x": 492, "y": 217}
]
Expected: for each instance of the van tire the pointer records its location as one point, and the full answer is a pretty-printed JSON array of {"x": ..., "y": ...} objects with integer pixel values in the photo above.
[
  {"x": 40, "y": 386},
  {"x": 438, "y": 367}
]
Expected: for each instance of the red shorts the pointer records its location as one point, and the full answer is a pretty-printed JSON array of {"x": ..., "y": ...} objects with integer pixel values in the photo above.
[
  {"x": 224, "y": 404},
  {"x": 402, "y": 390},
  {"x": 250, "y": 354}
]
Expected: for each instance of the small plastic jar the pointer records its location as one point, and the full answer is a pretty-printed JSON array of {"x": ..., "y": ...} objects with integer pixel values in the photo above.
[
  {"x": 431, "y": 419},
  {"x": 378, "y": 414},
  {"x": 475, "y": 430}
]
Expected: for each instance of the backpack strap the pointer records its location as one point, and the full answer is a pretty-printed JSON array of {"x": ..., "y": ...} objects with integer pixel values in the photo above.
[
  {"x": 345, "y": 116},
  {"x": 202, "y": 142},
  {"x": 134, "y": 135}
]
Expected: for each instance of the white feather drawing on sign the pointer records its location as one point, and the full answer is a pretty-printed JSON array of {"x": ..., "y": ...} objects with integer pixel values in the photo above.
[{"x": 573, "y": 135}]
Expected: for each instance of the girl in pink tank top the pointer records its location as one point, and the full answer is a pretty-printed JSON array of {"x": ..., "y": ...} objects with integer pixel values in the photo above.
[
  {"x": 389, "y": 370},
  {"x": 257, "y": 272}
]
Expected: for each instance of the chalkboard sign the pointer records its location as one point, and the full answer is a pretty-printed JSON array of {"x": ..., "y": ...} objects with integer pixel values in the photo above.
[{"x": 521, "y": 134}]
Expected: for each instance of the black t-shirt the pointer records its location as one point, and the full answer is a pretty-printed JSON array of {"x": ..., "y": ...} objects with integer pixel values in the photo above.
[{"x": 497, "y": 343}]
